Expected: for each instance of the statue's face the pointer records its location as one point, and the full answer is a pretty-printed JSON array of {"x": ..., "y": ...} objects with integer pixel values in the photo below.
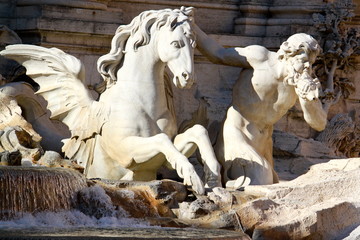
[{"x": 300, "y": 61}]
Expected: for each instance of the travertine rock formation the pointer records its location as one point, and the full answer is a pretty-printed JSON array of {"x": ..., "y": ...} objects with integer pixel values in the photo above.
[
  {"x": 15, "y": 138},
  {"x": 321, "y": 204}
]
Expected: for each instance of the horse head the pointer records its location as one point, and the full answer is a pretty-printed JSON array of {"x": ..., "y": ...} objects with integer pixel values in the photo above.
[
  {"x": 170, "y": 36},
  {"x": 176, "y": 45}
]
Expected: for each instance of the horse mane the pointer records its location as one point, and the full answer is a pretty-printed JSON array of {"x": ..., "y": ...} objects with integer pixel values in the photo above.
[{"x": 141, "y": 29}]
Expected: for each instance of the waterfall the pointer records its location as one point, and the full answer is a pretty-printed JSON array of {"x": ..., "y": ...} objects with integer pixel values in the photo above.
[{"x": 37, "y": 189}]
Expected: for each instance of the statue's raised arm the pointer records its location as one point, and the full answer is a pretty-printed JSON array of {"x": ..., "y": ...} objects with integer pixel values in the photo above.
[{"x": 217, "y": 53}]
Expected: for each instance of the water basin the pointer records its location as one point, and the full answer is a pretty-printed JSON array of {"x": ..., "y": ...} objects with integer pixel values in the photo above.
[{"x": 155, "y": 233}]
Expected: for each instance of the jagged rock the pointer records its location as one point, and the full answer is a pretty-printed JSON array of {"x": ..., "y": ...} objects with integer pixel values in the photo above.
[
  {"x": 294, "y": 155},
  {"x": 95, "y": 202},
  {"x": 287, "y": 144},
  {"x": 200, "y": 207},
  {"x": 226, "y": 220},
  {"x": 16, "y": 138},
  {"x": 51, "y": 159},
  {"x": 54, "y": 159},
  {"x": 10, "y": 158},
  {"x": 169, "y": 191},
  {"x": 221, "y": 197},
  {"x": 268, "y": 212},
  {"x": 321, "y": 204},
  {"x": 26, "y": 163},
  {"x": 144, "y": 199},
  {"x": 212, "y": 212}
]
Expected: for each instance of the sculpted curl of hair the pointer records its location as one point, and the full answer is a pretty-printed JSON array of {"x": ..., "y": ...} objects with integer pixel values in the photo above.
[{"x": 297, "y": 42}]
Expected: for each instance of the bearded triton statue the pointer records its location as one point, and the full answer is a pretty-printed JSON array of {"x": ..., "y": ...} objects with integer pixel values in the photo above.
[{"x": 268, "y": 86}]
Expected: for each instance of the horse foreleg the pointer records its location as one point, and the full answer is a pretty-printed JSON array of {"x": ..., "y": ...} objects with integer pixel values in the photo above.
[
  {"x": 141, "y": 149},
  {"x": 198, "y": 136}
]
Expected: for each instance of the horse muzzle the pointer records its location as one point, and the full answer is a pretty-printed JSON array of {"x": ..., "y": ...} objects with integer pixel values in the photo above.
[{"x": 184, "y": 80}]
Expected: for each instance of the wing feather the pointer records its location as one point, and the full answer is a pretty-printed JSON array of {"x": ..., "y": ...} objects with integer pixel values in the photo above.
[{"x": 61, "y": 78}]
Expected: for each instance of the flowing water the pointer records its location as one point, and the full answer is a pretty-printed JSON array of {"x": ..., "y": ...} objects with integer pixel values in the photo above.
[
  {"x": 56, "y": 203},
  {"x": 36, "y": 189}
]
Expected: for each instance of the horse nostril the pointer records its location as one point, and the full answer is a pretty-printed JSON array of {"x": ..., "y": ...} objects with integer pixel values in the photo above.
[{"x": 185, "y": 75}]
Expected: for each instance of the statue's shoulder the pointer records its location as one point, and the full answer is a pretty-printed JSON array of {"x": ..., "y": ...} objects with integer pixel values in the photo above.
[{"x": 256, "y": 54}]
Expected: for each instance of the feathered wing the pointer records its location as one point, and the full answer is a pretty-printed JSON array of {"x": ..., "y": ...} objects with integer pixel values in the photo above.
[{"x": 61, "y": 79}]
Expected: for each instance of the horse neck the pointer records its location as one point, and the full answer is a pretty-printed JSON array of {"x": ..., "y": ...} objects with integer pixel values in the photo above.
[{"x": 142, "y": 75}]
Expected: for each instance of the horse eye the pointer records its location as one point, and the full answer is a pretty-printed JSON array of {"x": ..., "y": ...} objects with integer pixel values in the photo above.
[{"x": 176, "y": 44}]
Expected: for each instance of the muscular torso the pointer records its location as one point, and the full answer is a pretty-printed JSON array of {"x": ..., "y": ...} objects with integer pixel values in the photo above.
[{"x": 261, "y": 97}]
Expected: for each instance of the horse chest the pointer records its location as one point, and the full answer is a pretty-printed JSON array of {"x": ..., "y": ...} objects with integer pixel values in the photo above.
[{"x": 134, "y": 120}]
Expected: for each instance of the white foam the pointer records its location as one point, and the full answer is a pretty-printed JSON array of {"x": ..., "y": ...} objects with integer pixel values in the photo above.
[{"x": 70, "y": 219}]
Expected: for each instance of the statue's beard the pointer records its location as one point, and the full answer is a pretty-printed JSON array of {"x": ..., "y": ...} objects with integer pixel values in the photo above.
[{"x": 306, "y": 87}]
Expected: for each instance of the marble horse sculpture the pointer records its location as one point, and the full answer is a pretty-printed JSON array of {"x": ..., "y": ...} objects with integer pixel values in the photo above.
[
  {"x": 129, "y": 133},
  {"x": 268, "y": 86}
]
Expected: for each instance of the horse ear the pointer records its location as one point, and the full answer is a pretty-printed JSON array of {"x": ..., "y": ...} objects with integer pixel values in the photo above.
[{"x": 188, "y": 11}]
